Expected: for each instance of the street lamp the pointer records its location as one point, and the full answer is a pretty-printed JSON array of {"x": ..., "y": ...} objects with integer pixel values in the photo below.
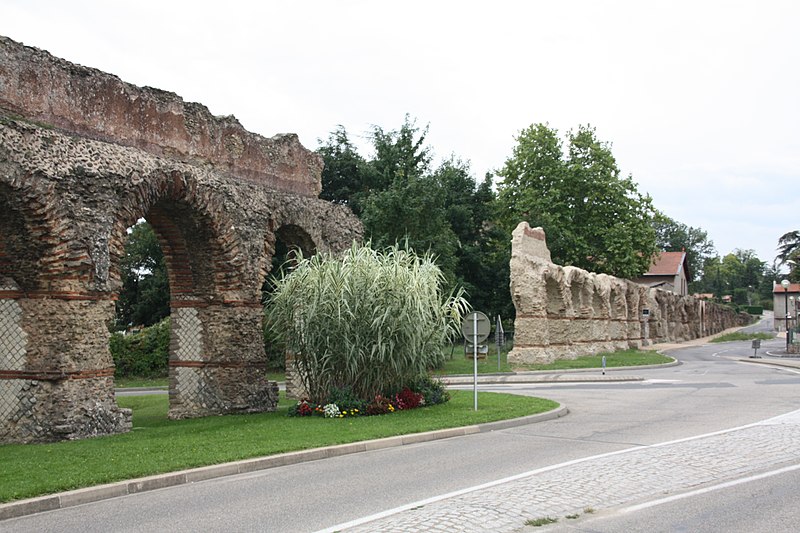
[{"x": 785, "y": 285}]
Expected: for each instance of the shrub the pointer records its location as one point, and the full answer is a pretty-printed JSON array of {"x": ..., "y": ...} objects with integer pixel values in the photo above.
[
  {"x": 432, "y": 390},
  {"x": 346, "y": 399},
  {"x": 142, "y": 354},
  {"x": 373, "y": 320}
]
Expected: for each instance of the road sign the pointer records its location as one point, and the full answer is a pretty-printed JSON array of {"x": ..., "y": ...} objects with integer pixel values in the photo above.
[{"x": 483, "y": 324}]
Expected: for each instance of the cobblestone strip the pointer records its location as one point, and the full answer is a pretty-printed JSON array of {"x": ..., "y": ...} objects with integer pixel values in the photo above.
[{"x": 604, "y": 481}]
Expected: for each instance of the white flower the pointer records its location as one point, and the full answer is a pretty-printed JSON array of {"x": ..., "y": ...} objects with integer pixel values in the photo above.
[{"x": 331, "y": 410}]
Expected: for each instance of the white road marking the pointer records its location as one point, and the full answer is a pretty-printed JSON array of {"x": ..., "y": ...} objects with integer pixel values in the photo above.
[{"x": 706, "y": 490}]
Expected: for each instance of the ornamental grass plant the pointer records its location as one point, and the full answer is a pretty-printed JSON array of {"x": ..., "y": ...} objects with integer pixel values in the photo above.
[{"x": 373, "y": 321}]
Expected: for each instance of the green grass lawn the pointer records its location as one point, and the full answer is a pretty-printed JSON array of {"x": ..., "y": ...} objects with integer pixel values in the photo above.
[
  {"x": 738, "y": 336},
  {"x": 134, "y": 382},
  {"x": 458, "y": 363},
  {"x": 158, "y": 445},
  {"x": 613, "y": 359}
]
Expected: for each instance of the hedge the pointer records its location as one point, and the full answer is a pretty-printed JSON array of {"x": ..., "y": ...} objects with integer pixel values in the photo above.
[{"x": 143, "y": 354}]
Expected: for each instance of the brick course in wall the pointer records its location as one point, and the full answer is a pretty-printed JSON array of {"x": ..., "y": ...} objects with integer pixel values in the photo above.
[{"x": 77, "y": 169}]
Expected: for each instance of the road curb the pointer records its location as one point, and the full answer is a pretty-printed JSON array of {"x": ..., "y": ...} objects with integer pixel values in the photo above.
[
  {"x": 770, "y": 362},
  {"x": 97, "y": 493}
]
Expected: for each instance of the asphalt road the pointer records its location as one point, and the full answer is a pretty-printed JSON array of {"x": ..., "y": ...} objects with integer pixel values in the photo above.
[
  {"x": 710, "y": 391},
  {"x": 765, "y": 505}
]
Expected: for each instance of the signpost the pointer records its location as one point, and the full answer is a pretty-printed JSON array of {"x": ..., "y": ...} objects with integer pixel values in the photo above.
[
  {"x": 756, "y": 345},
  {"x": 476, "y": 328},
  {"x": 500, "y": 338}
]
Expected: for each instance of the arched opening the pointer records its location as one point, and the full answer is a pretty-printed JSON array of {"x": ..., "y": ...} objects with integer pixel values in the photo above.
[
  {"x": 291, "y": 241},
  {"x": 168, "y": 263},
  {"x": 556, "y": 308},
  {"x": 216, "y": 357}
]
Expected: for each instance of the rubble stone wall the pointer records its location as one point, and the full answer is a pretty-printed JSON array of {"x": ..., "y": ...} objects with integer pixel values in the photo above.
[
  {"x": 566, "y": 312},
  {"x": 70, "y": 188},
  {"x": 88, "y": 102}
]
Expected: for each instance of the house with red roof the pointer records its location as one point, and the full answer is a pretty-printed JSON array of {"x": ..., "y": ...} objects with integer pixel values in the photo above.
[
  {"x": 668, "y": 271},
  {"x": 785, "y": 301}
]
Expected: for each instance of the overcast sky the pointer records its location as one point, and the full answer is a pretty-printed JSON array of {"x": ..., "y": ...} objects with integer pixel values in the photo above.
[{"x": 699, "y": 99}]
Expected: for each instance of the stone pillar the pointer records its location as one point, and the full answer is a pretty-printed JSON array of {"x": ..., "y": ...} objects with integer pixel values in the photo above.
[
  {"x": 217, "y": 362},
  {"x": 56, "y": 372}
]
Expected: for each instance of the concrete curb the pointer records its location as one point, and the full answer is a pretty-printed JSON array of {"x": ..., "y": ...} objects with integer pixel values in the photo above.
[
  {"x": 771, "y": 362},
  {"x": 132, "y": 486}
]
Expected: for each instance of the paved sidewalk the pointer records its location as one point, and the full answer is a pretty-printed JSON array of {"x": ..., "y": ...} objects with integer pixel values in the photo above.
[{"x": 600, "y": 482}]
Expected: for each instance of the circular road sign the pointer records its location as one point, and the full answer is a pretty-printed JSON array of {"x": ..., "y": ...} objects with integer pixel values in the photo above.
[{"x": 468, "y": 326}]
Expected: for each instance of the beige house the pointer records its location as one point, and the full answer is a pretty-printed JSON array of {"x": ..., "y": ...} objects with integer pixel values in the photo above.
[
  {"x": 669, "y": 271},
  {"x": 785, "y": 301}
]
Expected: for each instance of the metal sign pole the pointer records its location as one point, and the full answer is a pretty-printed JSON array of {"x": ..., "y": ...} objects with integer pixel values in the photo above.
[
  {"x": 498, "y": 332},
  {"x": 475, "y": 358}
]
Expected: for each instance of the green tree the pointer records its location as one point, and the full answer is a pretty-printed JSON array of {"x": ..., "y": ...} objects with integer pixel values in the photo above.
[
  {"x": 344, "y": 176},
  {"x": 144, "y": 298},
  {"x": 406, "y": 203},
  {"x": 401, "y": 197},
  {"x": 371, "y": 321},
  {"x": 789, "y": 254},
  {"x": 740, "y": 274},
  {"x": 674, "y": 236},
  {"x": 594, "y": 218}
]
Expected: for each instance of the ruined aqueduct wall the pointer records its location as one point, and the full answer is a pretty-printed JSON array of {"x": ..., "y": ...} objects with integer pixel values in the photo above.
[
  {"x": 83, "y": 156},
  {"x": 566, "y": 312}
]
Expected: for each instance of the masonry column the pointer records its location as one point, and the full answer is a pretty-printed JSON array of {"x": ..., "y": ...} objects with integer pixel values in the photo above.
[
  {"x": 56, "y": 373},
  {"x": 217, "y": 361}
]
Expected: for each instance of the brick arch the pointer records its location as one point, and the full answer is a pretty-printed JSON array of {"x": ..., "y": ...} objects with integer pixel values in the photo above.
[
  {"x": 37, "y": 249},
  {"x": 21, "y": 250},
  {"x": 200, "y": 245},
  {"x": 216, "y": 352},
  {"x": 289, "y": 234}
]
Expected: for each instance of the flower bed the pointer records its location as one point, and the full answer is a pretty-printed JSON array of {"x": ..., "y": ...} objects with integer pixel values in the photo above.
[{"x": 342, "y": 403}]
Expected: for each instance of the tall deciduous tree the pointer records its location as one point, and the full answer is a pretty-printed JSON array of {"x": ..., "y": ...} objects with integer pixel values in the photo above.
[
  {"x": 674, "y": 236},
  {"x": 344, "y": 176},
  {"x": 407, "y": 204},
  {"x": 594, "y": 218}
]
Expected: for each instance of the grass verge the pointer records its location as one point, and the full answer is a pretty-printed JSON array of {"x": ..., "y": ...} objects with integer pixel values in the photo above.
[
  {"x": 157, "y": 445},
  {"x": 613, "y": 359},
  {"x": 738, "y": 336},
  {"x": 135, "y": 382},
  {"x": 460, "y": 365}
]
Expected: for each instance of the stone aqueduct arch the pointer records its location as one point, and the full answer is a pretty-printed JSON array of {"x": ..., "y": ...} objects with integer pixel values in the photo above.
[{"x": 83, "y": 156}]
